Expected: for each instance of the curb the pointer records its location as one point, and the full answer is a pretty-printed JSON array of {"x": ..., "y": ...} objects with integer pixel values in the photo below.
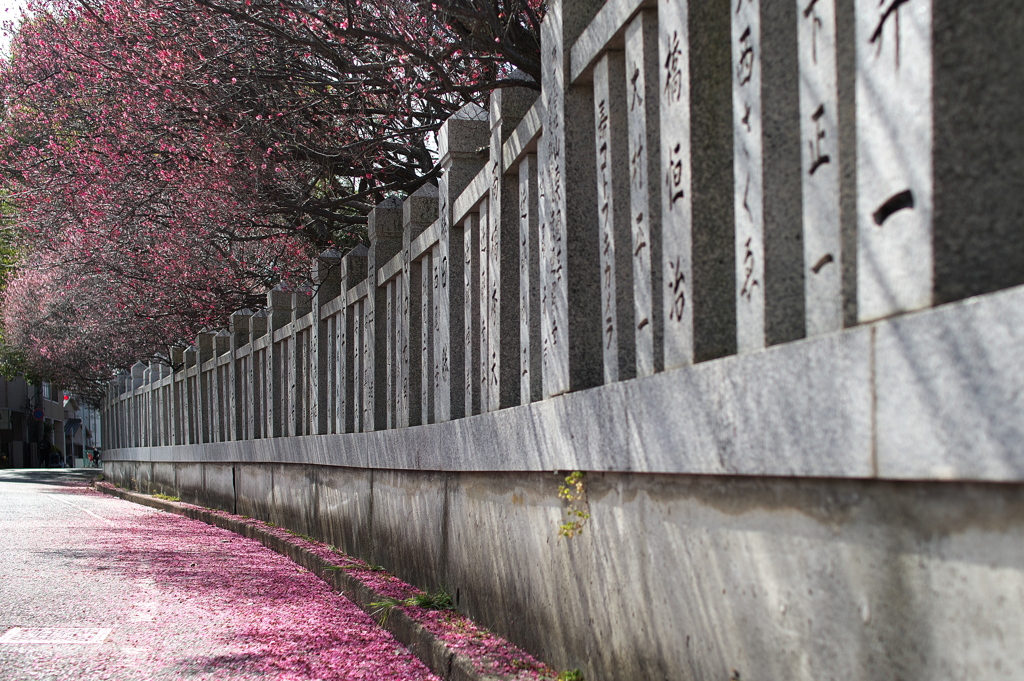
[{"x": 436, "y": 654}]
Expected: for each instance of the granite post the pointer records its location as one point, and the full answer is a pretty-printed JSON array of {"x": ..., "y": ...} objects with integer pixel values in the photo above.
[
  {"x": 257, "y": 374},
  {"x": 614, "y": 171},
  {"x": 279, "y": 311},
  {"x": 353, "y": 272},
  {"x": 569, "y": 243},
  {"x": 508, "y": 106},
  {"x": 204, "y": 393},
  {"x": 326, "y": 277},
  {"x": 529, "y": 284},
  {"x": 644, "y": 218},
  {"x": 458, "y": 142},
  {"x": 384, "y": 228}
]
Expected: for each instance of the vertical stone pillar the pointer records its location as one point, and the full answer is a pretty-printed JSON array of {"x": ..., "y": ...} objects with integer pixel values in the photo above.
[
  {"x": 223, "y": 394},
  {"x": 529, "y": 283},
  {"x": 240, "y": 405},
  {"x": 769, "y": 268},
  {"x": 353, "y": 272},
  {"x": 569, "y": 243},
  {"x": 177, "y": 387},
  {"x": 418, "y": 387},
  {"x": 146, "y": 408},
  {"x": 895, "y": 136},
  {"x": 393, "y": 400},
  {"x": 783, "y": 150},
  {"x": 614, "y": 170},
  {"x": 977, "y": 139},
  {"x": 435, "y": 330},
  {"x": 257, "y": 376},
  {"x": 411, "y": 326},
  {"x": 426, "y": 339},
  {"x": 279, "y": 311},
  {"x": 189, "y": 427},
  {"x": 327, "y": 281},
  {"x": 698, "y": 187},
  {"x": 483, "y": 298},
  {"x": 384, "y": 227},
  {"x": 298, "y": 358},
  {"x": 471, "y": 312},
  {"x": 508, "y": 106},
  {"x": 820, "y": 166},
  {"x": 458, "y": 141},
  {"x": 164, "y": 421},
  {"x": 357, "y": 336},
  {"x": 645, "y": 180},
  {"x": 749, "y": 188},
  {"x": 204, "y": 394}
]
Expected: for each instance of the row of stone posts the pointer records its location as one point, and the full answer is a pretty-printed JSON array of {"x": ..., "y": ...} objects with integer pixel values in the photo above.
[{"x": 696, "y": 179}]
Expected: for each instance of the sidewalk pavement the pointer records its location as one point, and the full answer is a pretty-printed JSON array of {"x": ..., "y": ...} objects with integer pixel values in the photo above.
[{"x": 96, "y": 587}]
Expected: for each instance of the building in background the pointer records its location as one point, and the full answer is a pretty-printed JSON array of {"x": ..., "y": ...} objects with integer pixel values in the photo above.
[{"x": 40, "y": 426}]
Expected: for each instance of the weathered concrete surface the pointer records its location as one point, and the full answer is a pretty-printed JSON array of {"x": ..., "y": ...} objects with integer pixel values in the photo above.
[{"x": 690, "y": 577}]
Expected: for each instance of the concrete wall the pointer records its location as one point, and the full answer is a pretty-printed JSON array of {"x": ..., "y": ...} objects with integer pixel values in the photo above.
[{"x": 688, "y": 577}]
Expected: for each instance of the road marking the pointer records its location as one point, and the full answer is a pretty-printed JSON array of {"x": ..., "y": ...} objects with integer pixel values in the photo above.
[
  {"x": 84, "y": 510},
  {"x": 86, "y": 635}
]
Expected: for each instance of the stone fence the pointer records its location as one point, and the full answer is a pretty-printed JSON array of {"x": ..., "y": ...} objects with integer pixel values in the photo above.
[
  {"x": 748, "y": 264},
  {"x": 642, "y": 215}
]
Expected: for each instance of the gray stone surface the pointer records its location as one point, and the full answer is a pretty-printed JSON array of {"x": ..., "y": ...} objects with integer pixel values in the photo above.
[
  {"x": 482, "y": 300},
  {"x": 569, "y": 252},
  {"x": 385, "y": 229},
  {"x": 894, "y": 158},
  {"x": 978, "y": 164},
  {"x": 279, "y": 314},
  {"x": 645, "y": 189},
  {"x": 821, "y": 168},
  {"x": 529, "y": 284},
  {"x": 189, "y": 483},
  {"x": 254, "y": 490},
  {"x": 783, "y": 149},
  {"x": 613, "y": 216},
  {"x": 218, "y": 486},
  {"x": 604, "y": 31},
  {"x": 471, "y": 311},
  {"x": 508, "y": 106},
  {"x": 345, "y": 506},
  {"x": 677, "y": 196},
  {"x": 950, "y": 404},
  {"x": 407, "y": 525},
  {"x": 748, "y": 167},
  {"x": 426, "y": 336},
  {"x": 703, "y": 250},
  {"x": 163, "y": 480}
]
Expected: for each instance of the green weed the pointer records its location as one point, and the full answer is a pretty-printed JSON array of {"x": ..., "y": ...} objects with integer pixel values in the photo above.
[
  {"x": 574, "y": 491},
  {"x": 439, "y": 600},
  {"x": 379, "y": 610}
]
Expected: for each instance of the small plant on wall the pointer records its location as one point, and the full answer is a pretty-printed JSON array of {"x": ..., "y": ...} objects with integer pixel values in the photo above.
[{"x": 574, "y": 492}]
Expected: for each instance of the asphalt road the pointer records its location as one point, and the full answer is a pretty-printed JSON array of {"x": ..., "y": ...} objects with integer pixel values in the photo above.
[{"x": 93, "y": 587}]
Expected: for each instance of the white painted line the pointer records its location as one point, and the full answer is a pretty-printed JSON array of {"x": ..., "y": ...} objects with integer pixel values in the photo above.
[
  {"x": 78, "y": 635},
  {"x": 84, "y": 510}
]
